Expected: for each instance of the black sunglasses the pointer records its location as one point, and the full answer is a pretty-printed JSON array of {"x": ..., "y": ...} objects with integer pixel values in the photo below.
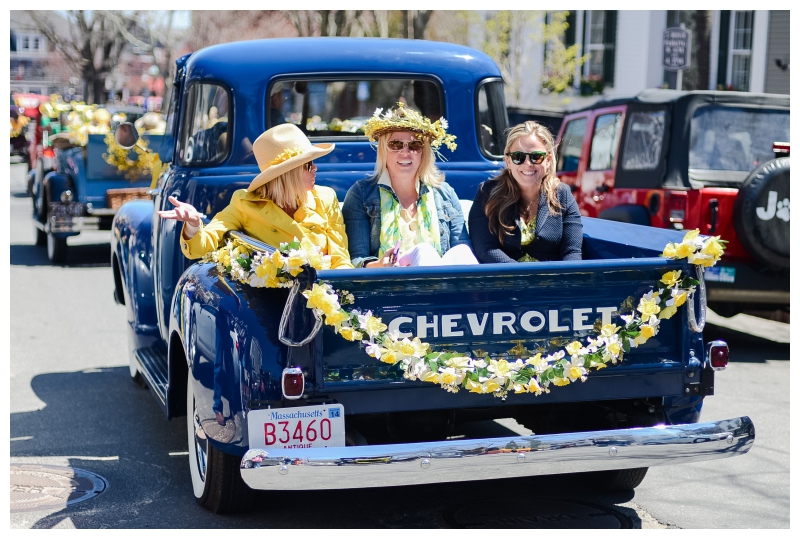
[
  {"x": 536, "y": 157},
  {"x": 308, "y": 166},
  {"x": 414, "y": 146}
]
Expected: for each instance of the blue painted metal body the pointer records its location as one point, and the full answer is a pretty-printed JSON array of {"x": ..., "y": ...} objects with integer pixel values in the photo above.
[{"x": 225, "y": 333}]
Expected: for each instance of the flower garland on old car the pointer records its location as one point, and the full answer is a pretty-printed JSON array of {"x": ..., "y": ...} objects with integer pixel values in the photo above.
[{"x": 453, "y": 371}]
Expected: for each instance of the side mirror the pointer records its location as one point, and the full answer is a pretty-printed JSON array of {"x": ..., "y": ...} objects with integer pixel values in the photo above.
[{"x": 126, "y": 135}]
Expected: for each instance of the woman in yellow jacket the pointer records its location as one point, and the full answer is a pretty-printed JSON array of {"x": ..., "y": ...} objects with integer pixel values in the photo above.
[{"x": 280, "y": 204}]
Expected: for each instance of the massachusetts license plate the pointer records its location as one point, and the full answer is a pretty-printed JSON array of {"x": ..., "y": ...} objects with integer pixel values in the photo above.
[
  {"x": 304, "y": 427},
  {"x": 66, "y": 209}
]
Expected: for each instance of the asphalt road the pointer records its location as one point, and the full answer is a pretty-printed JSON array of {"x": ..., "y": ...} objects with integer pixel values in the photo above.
[{"x": 73, "y": 404}]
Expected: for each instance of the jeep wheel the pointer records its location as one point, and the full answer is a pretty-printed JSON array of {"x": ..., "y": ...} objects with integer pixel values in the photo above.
[
  {"x": 41, "y": 237},
  {"x": 761, "y": 214},
  {"x": 216, "y": 480}
]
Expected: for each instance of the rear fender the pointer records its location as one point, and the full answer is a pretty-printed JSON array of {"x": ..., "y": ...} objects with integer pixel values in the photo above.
[{"x": 229, "y": 336}]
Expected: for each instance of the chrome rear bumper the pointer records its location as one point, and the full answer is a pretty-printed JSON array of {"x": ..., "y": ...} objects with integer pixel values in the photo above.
[{"x": 494, "y": 458}]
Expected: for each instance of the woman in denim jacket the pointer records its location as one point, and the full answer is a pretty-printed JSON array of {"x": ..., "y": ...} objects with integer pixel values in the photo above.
[{"x": 405, "y": 214}]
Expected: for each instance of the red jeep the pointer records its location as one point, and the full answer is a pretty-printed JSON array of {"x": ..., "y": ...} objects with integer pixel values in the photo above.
[{"x": 697, "y": 159}]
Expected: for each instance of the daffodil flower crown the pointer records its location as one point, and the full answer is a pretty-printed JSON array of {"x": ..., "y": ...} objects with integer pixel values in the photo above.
[
  {"x": 403, "y": 119},
  {"x": 480, "y": 374},
  {"x": 285, "y": 156}
]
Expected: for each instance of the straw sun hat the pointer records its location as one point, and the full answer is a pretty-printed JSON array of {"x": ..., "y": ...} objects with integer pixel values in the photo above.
[{"x": 282, "y": 148}]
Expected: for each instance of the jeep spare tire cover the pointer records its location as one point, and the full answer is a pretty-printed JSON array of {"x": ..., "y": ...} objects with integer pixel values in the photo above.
[{"x": 761, "y": 213}]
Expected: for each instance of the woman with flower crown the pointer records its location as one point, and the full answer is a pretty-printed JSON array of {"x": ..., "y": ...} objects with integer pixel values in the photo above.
[
  {"x": 406, "y": 214},
  {"x": 281, "y": 203},
  {"x": 526, "y": 214}
]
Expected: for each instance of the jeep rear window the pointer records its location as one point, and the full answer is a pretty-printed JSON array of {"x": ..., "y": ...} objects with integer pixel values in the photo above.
[
  {"x": 204, "y": 137},
  {"x": 729, "y": 138},
  {"x": 338, "y": 108}
]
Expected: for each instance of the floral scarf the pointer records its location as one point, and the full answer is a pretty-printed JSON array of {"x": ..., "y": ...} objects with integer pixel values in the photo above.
[{"x": 426, "y": 217}]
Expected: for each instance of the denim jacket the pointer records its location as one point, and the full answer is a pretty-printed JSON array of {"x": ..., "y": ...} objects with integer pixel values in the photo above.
[{"x": 362, "y": 219}]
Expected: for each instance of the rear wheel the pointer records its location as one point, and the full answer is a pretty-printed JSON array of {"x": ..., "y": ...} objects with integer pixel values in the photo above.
[
  {"x": 615, "y": 480},
  {"x": 216, "y": 480},
  {"x": 56, "y": 248}
]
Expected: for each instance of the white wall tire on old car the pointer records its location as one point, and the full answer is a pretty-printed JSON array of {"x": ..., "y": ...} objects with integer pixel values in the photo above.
[{"x": 216, "y": 481}]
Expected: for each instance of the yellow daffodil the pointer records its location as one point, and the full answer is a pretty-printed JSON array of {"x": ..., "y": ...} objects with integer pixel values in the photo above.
[
  {"x": 335, "y": 317},
  {"x": 614, "y": 347},
  {"x": 561, "y": 381},
  {"x": 374, "y": 326},
  {"x": 459, "y": 362},
  {"x": 430, "y": 376},
  {"x": 648, "y": 307},
  {"x": 668, "y": 311},
  {"x": 669, "y": 251},
  {"x": 389, "y": 356},
  {"x": 684, "y": 250},
  {"x": 534, "y": 360},
  {"x": 317, "y": 297},
  {"x": 680, "y": 298},
  {"x": 407, "y": 347},
  {"x": 533, "y": 386},
  {"x": 647, "y": 331},
  {"x": 351, "y": 334},
  {"x": 266, "y": 269},
  {"x": 491, "y": 385},
  {"x": 574, "y": 372},
  {"x": 277, "y": 259},
  {"x": 692, "y": 234},
  {"x": 573, "y": 348},
  {"x": 713, "y": 247},
  {"x": 671, "y": 278},
  {"x": 609, "y": 330},
  {"x": 449, "y": 376},
  {"x": 474, "y": 387},
  {"x": 499, "y": 367},
  {"x": 519, "y": 388}
]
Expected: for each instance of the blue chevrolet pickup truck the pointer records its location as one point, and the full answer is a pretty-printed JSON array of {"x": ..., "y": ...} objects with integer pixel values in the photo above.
[{"x": 358, "y": 378}]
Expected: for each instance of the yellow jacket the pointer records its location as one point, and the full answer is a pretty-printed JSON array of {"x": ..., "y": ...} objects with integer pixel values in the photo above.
[{"x": 320, "y": 220}]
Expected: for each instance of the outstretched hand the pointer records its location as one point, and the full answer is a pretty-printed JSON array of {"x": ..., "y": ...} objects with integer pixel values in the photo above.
[{"x": 182, "y": 212}]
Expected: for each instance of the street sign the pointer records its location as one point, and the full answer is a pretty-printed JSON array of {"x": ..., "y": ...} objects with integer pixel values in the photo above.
[{"x": 677, "y": 49}]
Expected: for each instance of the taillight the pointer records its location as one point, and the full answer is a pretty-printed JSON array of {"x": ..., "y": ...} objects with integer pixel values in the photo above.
[
  {"x": 49, "y": 153},
  {"x": 293, "y": 382},
  {"x": 717, "y": 355},
  {"x": 676, "y": 208}
]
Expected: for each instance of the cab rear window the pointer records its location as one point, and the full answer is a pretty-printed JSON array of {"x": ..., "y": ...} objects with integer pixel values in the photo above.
[{"x": 341, "y": 107}]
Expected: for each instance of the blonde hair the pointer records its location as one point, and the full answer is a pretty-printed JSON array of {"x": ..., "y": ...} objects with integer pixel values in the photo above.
[
  {"x": 428, "y": 172},
  {"x": 287, "y": 190},
  {"x": 505, "y": 196}
]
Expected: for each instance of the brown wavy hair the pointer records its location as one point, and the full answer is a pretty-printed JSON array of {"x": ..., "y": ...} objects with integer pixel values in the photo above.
[{"x": 502, "y": 205}]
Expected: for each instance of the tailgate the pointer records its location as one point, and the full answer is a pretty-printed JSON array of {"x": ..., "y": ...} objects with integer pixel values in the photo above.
[{"x": 506, "y": 311}]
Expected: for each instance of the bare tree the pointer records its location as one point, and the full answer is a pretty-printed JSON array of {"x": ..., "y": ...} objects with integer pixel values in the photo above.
[
  {"x": 156, "y": 35},
  {"x": 92, "y": 48},
  {"x": 214, "y": 27}
]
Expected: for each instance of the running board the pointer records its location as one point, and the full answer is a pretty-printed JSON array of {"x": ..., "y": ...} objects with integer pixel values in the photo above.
[{"x": 153, "y": 366}]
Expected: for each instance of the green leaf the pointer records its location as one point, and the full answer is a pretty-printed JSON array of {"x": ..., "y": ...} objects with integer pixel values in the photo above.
[
  {"x": 626, "y": 344},
  {"x": 293, "y": 245}
]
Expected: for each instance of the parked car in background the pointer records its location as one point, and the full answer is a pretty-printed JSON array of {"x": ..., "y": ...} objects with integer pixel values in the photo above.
[
  {"x": 685, "y": 160},
  {"x": 74, "y": 188}
]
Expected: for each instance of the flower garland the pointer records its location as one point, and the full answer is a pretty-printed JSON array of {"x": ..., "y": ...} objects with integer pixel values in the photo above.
[
  {"x": 146, "y": 162},
  {"x": 402, "y": 118},
  {"x": 454, "y": 371}
]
